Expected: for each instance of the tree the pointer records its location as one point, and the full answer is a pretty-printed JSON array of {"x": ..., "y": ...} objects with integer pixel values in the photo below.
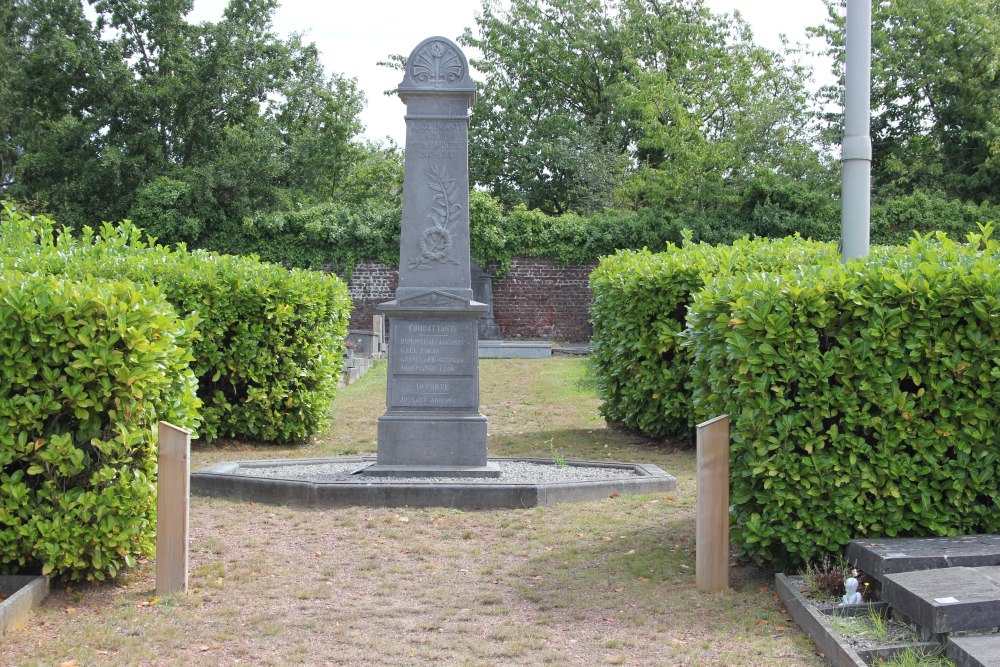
[
  {"x": 635, "y": 102},
  {"x": 186, "y": 128},
  {"x": 714, "y": 111},
  {"x": 935, "y": 95},
  {"x": 547, "y": 130}
]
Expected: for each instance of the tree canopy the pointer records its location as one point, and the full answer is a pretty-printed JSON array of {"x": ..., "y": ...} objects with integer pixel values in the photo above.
[
  {"x": 588, "y": 104},
  {"x": 226, "y": 135},
  {"x": 935, "y": 95},
  {"x": 130, "y": 110}
]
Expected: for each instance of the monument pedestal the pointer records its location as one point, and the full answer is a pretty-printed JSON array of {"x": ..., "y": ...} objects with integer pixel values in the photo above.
[{"x": 432, "y": 425}]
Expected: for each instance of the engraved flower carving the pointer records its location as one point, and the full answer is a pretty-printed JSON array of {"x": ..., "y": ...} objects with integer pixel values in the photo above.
[{"x": 437, "y": 63}]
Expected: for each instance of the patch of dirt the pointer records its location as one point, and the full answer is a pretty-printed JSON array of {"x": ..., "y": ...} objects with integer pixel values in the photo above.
[{"x": 595, "y": 583}]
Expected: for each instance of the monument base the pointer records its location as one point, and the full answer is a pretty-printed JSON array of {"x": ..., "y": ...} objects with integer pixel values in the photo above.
[
  {"x": 432, "y": 441},
  {"x": 432, "y": 425}
]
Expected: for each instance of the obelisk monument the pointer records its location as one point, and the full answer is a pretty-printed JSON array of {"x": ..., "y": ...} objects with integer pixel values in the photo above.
[{"x": 432, "y": 425}]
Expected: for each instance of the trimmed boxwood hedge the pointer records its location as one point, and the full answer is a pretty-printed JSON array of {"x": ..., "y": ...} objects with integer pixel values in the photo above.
[
  {"x": 640, "y": 302},
  {"x": 270, "y": 346},
  {"x": 865, "y": 400},
  {"x": 87, "y": 368}
]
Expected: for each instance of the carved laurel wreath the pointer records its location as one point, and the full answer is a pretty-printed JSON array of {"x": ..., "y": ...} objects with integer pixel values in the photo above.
[{"x": 436, "y": 241}]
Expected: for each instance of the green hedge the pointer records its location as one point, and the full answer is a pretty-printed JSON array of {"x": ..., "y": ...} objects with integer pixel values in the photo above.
[
  {"x": 638, "y": 312},
  {"x": 865, "y": 401},
  {"x": 894, "y": 220},
  {"x": 338, "y": 236},
  {"x": 269, "y": 351},
  {"x": 87, "y": 368},
  {"x": 328, "y": 235}
]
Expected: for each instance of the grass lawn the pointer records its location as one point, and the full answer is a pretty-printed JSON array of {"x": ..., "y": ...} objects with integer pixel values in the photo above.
[{"x": 602, "y": 582}]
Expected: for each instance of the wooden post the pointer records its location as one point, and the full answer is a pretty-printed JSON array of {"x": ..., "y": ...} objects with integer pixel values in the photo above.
[
  {"x": 712, "y": 532},
  {"x": 173, "y": 490}
]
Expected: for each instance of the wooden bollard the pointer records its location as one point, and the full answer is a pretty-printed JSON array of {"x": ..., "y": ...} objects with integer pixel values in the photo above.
[
  {"x": 712, "y": 531},
  {"x": 173, "y": 490}
]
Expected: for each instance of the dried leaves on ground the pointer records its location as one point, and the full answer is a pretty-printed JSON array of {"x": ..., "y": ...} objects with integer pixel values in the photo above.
[{"x": 602, "y": 582}]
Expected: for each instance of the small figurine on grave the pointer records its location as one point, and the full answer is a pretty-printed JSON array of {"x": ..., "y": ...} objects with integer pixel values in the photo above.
[{"x": 852, "y": 596}]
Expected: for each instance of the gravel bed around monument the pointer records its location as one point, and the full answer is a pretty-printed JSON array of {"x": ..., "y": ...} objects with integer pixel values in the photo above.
[
  {"x": 330, "y": 482},
  {"x": 511, "y": 472}
]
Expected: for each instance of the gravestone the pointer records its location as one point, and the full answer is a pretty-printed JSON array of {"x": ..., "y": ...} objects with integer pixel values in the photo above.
[
  {"x": 905, "y": 554},
  {"x": 432, "y": 425},
  {"x": 952, "y": 599},
  {"x": 482, "y": 291}
]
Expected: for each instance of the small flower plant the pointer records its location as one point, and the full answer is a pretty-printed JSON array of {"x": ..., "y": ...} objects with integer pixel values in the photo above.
[{"x": 826, "y": 579}]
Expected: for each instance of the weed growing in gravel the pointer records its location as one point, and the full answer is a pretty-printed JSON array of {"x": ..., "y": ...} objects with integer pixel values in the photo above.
[
  {"x": 873, "y": 626},
  {"x": 915, "y": 657},
  {"x": 558, "y": 459}
]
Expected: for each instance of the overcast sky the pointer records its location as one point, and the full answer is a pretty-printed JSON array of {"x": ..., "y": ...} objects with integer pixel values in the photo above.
[{"x": 353, "y": 36}]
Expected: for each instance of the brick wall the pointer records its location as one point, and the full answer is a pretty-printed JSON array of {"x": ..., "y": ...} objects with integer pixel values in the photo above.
[
  {"x": 371, "y": 283},
  {"x": 543, "y": 299},
  {"x": 538, "y": 299}
]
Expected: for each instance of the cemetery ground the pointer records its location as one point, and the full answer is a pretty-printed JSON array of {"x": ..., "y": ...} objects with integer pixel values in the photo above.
[{"x": 602, "y": 582}]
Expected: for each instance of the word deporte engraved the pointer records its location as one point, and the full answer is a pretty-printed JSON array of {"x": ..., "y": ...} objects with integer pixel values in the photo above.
[
  {"x": 436, "y": 241},
  {"x": 439, "y": 64}
]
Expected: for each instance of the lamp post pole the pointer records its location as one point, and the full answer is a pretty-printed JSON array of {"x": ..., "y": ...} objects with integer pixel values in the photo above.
[{"x": 855, "y": 220}]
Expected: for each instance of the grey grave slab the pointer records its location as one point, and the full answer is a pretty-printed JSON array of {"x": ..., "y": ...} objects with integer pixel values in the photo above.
[
  {"x": 515, "y": 349},
  {"x": 482, "y": 291},
  {"x": 366, "y": 342},
  {"x": 974, "y": 650},
  {"x": 880, "y": 557},
  {"x": 817, "y": 625},
  {"x": 946, "y": 600},
  {"x": 572, "y": 349}
]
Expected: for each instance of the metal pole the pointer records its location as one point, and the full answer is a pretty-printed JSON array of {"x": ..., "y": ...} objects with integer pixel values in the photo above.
[{"x": 855, "y": 220}]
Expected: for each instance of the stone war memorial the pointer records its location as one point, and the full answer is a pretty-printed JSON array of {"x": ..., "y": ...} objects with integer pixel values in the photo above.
[
  {"x": 432, "y": 424},
  {"x": 432, "y": 438}
]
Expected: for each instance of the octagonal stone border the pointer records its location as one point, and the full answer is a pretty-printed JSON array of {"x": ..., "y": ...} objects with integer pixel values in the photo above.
[
  {"x": 24, "y": 593},
  {"x": 222, "y": 481}
]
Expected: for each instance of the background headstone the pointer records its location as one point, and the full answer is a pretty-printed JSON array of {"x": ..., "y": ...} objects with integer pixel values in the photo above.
[{"x": 482, "y": 291}]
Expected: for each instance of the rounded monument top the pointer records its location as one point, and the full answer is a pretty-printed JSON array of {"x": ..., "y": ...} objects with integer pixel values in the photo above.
[{"x": 437, "y": 64}]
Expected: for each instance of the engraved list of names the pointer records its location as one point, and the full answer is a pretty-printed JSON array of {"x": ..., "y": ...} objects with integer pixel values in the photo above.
[{"x": 433, "y": 364}]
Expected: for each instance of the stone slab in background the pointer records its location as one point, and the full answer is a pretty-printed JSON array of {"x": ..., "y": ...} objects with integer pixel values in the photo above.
[
  {"x": 366, "y": 342},
  {"x": 514, "y": 349},
  {"x": 22, "y": 594},
  {"x": 974, "y": 650},
  {"x": 946, "y": 600},
  {"x": 482, "y": 291},
  {"x": 880, "y": 557}
]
